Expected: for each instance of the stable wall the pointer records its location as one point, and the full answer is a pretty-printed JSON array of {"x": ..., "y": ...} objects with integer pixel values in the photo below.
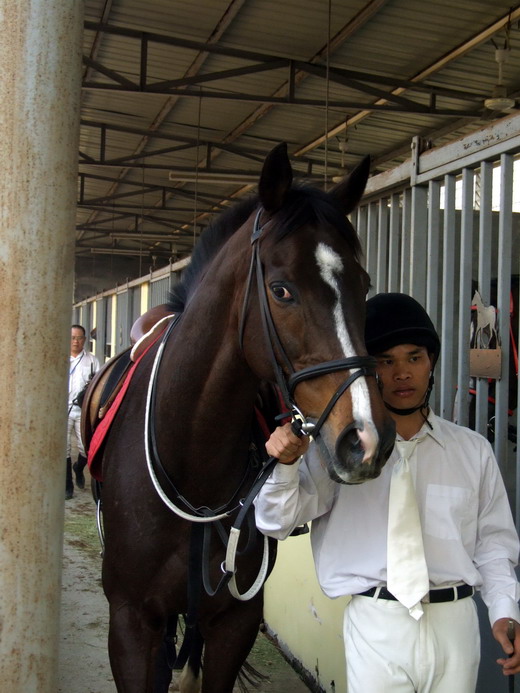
[{"x": 307, "y": 625}]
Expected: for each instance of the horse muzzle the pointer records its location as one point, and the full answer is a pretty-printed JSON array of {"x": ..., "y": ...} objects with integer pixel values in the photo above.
[{"x": 360, "y": 452}]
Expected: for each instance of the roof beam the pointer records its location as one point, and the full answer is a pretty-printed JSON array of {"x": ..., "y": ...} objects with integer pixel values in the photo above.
[
  {"x": 288, "y": 100},
  {"x": 222, "y": 25},
  {"x": 462, "y": 49}
]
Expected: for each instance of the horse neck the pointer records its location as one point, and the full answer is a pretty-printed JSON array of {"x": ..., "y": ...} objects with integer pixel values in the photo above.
[{"x": 206, "y": 392}]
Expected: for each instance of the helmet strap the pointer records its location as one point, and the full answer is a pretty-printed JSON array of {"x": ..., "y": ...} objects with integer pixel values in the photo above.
[
  {"x": 422, "y": 407},
  {"x": 403, "y": 412}
]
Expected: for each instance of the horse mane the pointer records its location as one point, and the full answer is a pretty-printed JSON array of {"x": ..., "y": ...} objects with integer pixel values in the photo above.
[
  {"x": 303, "y": 205},
  {"x": 210, "y": 242}
]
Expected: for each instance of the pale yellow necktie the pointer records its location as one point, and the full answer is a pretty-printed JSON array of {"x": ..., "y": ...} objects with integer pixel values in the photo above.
[{"x": 407, "y": 573}]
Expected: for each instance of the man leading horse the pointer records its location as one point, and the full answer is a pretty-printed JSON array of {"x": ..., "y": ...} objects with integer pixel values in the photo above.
[{"x": 423, "y": 636}]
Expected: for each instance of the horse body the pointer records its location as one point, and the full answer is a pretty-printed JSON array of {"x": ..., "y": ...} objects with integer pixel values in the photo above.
[
  {"x": 211, "y": 368},
  {"x": 143, "y": 584}
]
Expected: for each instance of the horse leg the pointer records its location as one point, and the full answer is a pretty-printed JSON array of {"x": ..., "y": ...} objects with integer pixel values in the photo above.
[
  {"x": 227, "y": 644},
  {"x": 166, "y": 658},
  {"x": 132, "y": 647},
  {"x": 189, "y": 680}
]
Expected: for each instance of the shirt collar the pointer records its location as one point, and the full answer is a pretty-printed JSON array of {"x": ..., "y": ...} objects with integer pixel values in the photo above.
[{"x": 434, "y": 432}]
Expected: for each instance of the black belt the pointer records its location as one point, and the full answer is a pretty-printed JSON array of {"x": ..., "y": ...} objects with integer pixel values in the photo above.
[{"x": 447, "y": 594}]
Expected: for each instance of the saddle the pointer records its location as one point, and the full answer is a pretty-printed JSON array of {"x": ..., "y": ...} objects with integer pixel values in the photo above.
[{"x": 108, "y": 381}]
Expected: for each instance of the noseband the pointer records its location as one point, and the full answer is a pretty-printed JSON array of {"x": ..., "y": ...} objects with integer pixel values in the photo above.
[{"x": 360, "y": 365}]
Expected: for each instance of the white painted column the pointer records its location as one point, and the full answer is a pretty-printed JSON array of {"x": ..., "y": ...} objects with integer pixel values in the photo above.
[{"x": 40, "y": 55}]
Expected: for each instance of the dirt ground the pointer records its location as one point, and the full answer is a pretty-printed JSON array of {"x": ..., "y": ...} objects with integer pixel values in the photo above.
[{"x": 83, "y": 663}]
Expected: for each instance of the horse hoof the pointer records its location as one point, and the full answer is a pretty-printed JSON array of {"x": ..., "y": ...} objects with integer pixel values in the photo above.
[{"x": 187, "y": 682}]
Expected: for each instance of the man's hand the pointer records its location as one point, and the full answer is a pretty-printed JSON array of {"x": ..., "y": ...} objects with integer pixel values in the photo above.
[
  {"x": 511, "y": 665},
  {"x": 285, "y": 445}
]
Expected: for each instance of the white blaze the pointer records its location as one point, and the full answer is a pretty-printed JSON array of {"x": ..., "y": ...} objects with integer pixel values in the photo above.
[{"x": 330, "y": 266}]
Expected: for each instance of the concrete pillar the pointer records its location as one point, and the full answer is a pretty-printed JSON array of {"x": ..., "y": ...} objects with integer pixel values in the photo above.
[{"x": 40, "y": 47}]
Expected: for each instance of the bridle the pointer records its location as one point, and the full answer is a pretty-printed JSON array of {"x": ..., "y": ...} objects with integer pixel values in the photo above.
[{"x": 360, "y": 365}]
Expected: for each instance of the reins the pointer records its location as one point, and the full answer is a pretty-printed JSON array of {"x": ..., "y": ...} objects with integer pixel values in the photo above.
[
  {"x": 153, "y": 459},
  {"x": 204, "y": 515},
  {"x": 281, "y": 364}
]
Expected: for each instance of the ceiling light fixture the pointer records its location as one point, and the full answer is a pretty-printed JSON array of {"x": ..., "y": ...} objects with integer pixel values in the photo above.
[{"x": 499, "y": 100}]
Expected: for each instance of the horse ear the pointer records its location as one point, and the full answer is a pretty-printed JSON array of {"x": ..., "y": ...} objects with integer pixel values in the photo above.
[
  {"x": 275, "y": 179},
  {"x": 350, "y": 190}
]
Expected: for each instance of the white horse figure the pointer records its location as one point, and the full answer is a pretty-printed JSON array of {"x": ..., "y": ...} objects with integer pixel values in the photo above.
[{"x": 486, "y": 324}]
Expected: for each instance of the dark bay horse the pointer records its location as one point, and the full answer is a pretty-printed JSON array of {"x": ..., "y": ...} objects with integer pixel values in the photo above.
[{"x": 275, "y": 292}]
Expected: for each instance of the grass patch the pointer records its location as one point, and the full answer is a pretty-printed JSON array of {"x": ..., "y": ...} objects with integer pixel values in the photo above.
[{"x": 81, "y": 531}]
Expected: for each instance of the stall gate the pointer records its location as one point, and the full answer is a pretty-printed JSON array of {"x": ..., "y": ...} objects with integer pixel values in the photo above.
[{"x": 440, "y": 227}]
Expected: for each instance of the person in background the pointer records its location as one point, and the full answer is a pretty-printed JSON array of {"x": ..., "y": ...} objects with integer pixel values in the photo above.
[
  {"x": 423, "y": 636},
  {"x": 82, "y": 367}
]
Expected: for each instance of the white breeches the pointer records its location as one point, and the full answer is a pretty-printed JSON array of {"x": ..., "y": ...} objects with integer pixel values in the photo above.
[
  {"x": 74, "y": 427},
  {"x": 388, "y": 651}
]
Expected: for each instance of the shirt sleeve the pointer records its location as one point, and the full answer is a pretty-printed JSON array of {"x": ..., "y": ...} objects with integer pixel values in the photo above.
[
  {"x": 496, "y": 551},
  {"x": 293, "y": 495}
]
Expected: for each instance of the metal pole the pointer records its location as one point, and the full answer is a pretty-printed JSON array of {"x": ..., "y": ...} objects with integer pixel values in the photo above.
[{"x": 40, "y": 54}]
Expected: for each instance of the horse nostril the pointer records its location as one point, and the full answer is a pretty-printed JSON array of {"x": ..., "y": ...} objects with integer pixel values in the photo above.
[{"x": 349, "y": 446}]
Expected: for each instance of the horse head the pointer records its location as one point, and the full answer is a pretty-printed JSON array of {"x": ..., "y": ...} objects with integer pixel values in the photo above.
[{"x": 306, "y": 308}]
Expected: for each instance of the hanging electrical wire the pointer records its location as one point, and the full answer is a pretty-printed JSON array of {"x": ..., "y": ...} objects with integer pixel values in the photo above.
[
  {"x": 327, "y": 86},
  {"x": 195, "y": 199},
  {"x": 142, "y": 222}
]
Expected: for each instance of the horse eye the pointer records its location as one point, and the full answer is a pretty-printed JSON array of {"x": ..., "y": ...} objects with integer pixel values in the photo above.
[{"x": 281, "y": 293}]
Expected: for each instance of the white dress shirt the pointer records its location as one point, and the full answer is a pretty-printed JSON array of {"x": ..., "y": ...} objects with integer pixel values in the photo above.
[
  {"x": 468, "y": 530},
  {"x": 81, "y": 369}
]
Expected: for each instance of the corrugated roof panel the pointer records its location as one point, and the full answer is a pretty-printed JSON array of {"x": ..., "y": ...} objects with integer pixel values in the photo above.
[
  {"x": 185, "y": 18},
  {"x": 397, "y": 38},
  {"x": 292, "y": 28}
]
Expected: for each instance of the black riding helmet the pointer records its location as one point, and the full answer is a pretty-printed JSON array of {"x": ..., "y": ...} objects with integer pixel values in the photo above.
[{"x": 393, "y": 319}]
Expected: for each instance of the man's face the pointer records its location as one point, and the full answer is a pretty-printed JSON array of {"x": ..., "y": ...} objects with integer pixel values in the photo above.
[
  {"x": 404, "y": 372},
  {"x": 77, "y": 341}
]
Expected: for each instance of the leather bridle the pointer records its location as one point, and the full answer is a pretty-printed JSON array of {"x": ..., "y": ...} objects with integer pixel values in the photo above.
[{"x": 360, "y": 365}]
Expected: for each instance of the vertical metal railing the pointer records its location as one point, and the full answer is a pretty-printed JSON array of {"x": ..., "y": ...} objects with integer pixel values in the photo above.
[
  {"x": 484, "y": 280},
  {"x": 505, "y": 225},
  {"x": 394, "y": 257},
  {"x": 464, "y": 296},
  {"x": 439, "y": 240},
  {"x": 448, "y": 345},
  {"x": 418, "y": 242}
]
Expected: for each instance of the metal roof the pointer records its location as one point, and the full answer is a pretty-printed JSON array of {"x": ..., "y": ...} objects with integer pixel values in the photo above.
[{"x": 182, "y": 100}]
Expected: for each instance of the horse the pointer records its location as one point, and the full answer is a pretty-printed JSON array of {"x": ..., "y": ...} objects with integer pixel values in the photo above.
[
  {"x": 485, "y": 332},
  {"x": 274, "y": 293}
]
